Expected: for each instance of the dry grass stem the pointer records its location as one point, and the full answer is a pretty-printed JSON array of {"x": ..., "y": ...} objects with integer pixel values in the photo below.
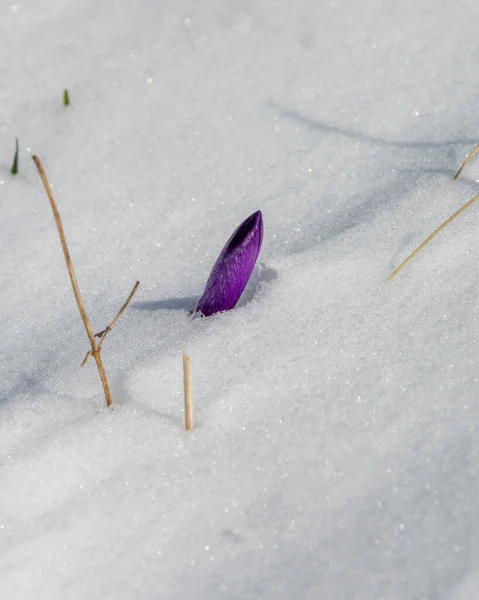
[
  {"x": 466, "y": 161},
  {"x": 95, "y": 347},
  {"x": 103, "y": 334},
  {"x": 433, "y": 235},
  {"x": 188, "y": 392}
]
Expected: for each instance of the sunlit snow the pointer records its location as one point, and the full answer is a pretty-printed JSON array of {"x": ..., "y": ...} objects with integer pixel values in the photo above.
[{"x": 335, "y": 452}]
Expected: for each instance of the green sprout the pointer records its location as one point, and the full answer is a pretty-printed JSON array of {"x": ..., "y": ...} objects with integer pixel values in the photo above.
[
  {"x": 15, "y": 160},
  {"x": 66, "y": 98}
]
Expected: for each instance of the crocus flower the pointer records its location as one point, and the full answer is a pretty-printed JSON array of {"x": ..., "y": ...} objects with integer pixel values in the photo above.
[{"x": 233, "y": 267}]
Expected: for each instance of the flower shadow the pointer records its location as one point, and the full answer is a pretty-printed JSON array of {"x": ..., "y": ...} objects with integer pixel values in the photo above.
[
  {"x": 187, "y": 303},
  {"x": 260, "y": 276}
]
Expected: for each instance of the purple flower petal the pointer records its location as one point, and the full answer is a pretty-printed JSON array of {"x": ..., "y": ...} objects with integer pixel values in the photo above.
[{"x": 233, "y": 268}]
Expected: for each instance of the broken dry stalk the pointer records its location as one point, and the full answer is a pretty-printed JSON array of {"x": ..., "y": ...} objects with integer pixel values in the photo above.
[
  {"x": 466, "y": 161},
  {"x": 188, "y": 394},
  {"x": 95, "y": 347},
  {"x": 433, "y": 235},
  {"x": 102, "y": 334}
]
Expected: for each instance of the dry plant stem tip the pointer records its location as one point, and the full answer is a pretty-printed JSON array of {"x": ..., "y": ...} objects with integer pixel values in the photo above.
[
  {"x": 188, "y": 392},
  {"x": 466, "y": 161},
  {"x": 95, "y": 350},
  {"x": 433, "y": 235},
  {"x": 102, "y": 334}
]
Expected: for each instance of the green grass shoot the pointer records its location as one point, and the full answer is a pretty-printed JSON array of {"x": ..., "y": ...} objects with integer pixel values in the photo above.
[
  {"x": 66, "y": 98},
  {"x": 15, "y": 160}
]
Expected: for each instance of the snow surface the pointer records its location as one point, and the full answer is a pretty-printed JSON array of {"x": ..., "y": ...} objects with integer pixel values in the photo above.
[{"x": 335, "y": 454}]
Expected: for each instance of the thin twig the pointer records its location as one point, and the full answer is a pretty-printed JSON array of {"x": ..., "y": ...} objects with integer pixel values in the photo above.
[
  {"x": 87, "y": 356},
  {"x": 466, "y": 161},
  {"x": 103, "y": 334},
  {"x": 188, "y": 392},
  {"x": 433, "y": 235}
]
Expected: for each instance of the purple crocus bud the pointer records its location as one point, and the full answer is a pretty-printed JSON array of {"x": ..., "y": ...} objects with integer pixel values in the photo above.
[{"x": 233, "y": 268}]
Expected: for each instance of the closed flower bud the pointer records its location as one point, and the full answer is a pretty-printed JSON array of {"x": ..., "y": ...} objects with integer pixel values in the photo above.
[{"x": 233, "y": 268}]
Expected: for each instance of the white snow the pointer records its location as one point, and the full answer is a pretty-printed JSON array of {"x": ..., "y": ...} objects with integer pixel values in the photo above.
[{"x": 335, "y": 451}]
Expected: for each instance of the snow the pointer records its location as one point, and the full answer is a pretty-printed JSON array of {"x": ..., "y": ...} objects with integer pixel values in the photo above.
[{"x": 335, "y": 450}]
